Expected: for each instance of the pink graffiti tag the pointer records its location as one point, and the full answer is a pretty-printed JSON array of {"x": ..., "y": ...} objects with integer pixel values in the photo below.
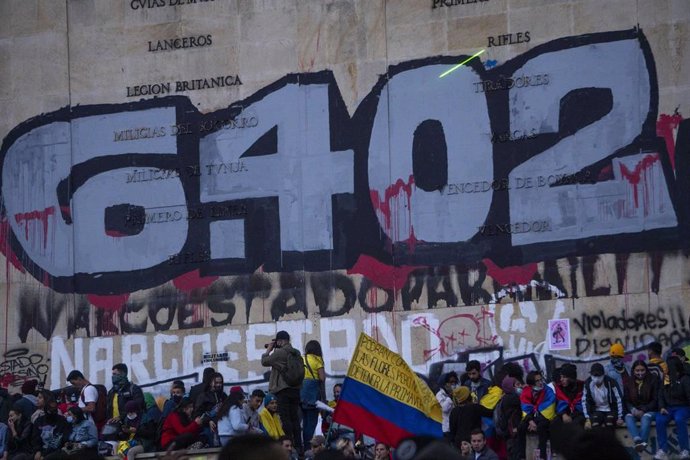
[{"x": 452, "y": 332}]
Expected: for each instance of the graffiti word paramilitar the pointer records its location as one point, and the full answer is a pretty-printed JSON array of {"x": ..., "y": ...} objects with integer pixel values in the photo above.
[{"x": 321, "y": 188}]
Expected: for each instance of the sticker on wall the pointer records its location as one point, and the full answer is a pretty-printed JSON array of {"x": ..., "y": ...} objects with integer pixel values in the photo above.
[{"x": 559, "y": 334}]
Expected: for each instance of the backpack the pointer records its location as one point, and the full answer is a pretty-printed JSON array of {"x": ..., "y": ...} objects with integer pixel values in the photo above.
[
  {"x": 99, "y": 414},
  {"x": 500, "y": 420},
  {"x": 294, "y": 371}
]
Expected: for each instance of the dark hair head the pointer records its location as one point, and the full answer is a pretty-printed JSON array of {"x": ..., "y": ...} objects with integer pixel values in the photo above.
[
  {"x": 47, "y": 396},
  {"x": 655, "y": 347},
  {"x": 284, "y": 438},
  {"x": 258, "y": 393},
  {"x": 473, "y": 365},
  {"x": 121, "y": 367},
  {"x": 639, "y": 362},
  {"x": 251, "y": 447},
  {"x": 208, "y": 374},
  {"x": 233, "y": 400},
  {"x": 183, "y": 404},
  {"x": 338, "y": 385},
  {"x": 77, "y": 413},
  {"x": 313, "y": 348},
  {"x": 178, "y": 384},
  {"x": 675, "y": 368},
  {"x": 75, "y": 375},
  {"x": 531, "y": 376},
  {"x": 592, "y": 444},
  {"x": 445, "y": 378},
  {"x": 478, "y": 431},
  {"x": 29, "y": 387}
]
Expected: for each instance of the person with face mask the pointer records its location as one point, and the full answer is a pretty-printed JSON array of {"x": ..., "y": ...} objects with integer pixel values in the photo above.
[
  {"x": 84, "y": 435},
  {"x": 209, "y": 403},
  {"x": 122, "y": 392},
  {"x": 616, "y": 367},
  {"x": 641, "y": 394},
  {"x": 177, "y": 392},
  {"x": 444, "y": 396},
  {"x": 49, "y": 433},
  {"x": 538, "y": 403},
  {"x": 603, "y": 403}
]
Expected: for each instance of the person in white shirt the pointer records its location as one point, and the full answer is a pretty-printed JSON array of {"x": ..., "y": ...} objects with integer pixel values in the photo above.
[
  {"x": 88, "y": 396},
  {"x": 449, "y": 382}
]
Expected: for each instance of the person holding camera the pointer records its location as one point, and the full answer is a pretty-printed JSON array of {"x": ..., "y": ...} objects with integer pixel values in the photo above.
[{"x": 277, "y": 354}]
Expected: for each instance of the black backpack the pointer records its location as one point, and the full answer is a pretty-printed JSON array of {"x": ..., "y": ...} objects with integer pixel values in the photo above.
[{"x": 294, "y": 371}]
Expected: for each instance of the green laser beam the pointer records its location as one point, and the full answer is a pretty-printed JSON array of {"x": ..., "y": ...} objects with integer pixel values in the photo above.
[{"x": 461, "y": 64}]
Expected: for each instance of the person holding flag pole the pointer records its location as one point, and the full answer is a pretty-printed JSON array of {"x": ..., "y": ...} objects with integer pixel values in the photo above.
[{"x": 383, "y": 398}]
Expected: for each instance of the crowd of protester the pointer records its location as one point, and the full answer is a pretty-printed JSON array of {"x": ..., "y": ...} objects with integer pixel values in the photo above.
[{"x": 482, "y": 419}]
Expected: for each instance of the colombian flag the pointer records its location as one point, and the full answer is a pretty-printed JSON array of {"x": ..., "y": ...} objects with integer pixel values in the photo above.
[{"x": 383, "y": 398}]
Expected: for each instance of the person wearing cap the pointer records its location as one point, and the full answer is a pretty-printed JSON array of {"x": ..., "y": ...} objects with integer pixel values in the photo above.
[
  {"x": 603, "y": 403},
  {"x": 268, "y": 416},
  {"x": 465, "y": 416},
  {"x": 674, "y": 404},
  {"x": 27, "y": 403},
  {"x": 616, "y": 367},
  {"x": 231, "y": 418},
  {"x": 318, "y": 444},
  {"x": 88, "y": 394},
  {"x": 641, "y": 393},
  {"x": 276, "y": 357}
]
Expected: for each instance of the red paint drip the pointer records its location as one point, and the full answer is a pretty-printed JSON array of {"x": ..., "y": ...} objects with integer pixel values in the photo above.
[
  {"x": 65, "y": 210},
  {"x": 5, "y": 247},
  {"x": 665, "y": 126},
  {"x": 108, "y": 302},
  {"x": 635, "y": 175},
  {"x": 26, "y": 217},
  {"x": 382, "y": 275},
  {"x": 115, "y": 234},
  {"x": 390, "y": 204},
  {"x": 505, "y": 276},
  {"x": 193, "y": 280}
]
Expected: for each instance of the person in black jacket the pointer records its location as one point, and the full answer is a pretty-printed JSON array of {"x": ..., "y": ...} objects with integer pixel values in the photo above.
[
  {"x": 19, "y": 439},
  {"x": 674, "y": 404},
  {"x": 50, "y": 433},
  {"x": 641, "y": 395},
  {"x": 465, "y": 417},
  {"x": 124, "y": 391}
]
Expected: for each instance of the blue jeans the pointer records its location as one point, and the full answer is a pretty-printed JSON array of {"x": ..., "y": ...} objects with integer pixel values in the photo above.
[
  {"x": 681, "y": 415},
  {"x": 645, "y": 425}
]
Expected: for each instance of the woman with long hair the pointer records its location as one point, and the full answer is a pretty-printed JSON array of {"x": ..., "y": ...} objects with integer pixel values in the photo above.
[
  {"x": 19, "y": 439},
  {"x": 231, "y": 418},
  {"x": 313, "y": 388},
  {"x": 641, "y": 393},
  {"x": 180, "y": 428}
]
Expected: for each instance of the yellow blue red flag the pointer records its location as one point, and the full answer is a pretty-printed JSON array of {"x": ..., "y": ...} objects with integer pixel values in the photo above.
[{"x": 383, "y": 398}]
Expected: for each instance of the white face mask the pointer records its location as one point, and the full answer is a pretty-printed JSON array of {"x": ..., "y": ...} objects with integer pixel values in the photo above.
[
  {"x": 598, "y": 379},
  {"x": 132, "y": 416},
  {"x": 69, "y": 419}
]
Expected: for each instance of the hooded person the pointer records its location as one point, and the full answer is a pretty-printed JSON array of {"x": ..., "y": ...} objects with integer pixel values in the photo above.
[
  {"x": 269, "y": 419},
  {"x": 27, "y": 403},
  {"x": 616, "y": 368},
  {"x": 465, "y": 417},
  {"x": 507, "y": 416}
]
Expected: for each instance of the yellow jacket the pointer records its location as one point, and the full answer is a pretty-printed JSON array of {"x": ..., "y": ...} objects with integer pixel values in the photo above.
[{"x": 271, "y": 424}]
